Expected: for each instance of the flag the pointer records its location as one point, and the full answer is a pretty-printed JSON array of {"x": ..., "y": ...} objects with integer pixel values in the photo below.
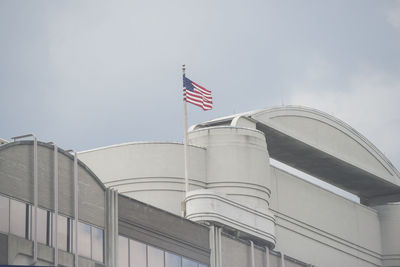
[{"x": 196, "y": 94}]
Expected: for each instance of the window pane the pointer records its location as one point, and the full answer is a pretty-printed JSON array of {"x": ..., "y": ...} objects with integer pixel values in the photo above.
[
  {"x": 155, "y": 257},
  {"x": 72, "y": 234},
  {"x": 188, "y": 263},
  {"x": 172, "y": 260},
  {"x": 84, "y": 246},
  {"x": 4, "y": 213},
  {"x": 62, "y": 232},
  {"x": 97, "y": 244},
  {"x": 137, "y": 254},
  {"x": 17, "y": 218},
  {"x": 123, "y": 251},
  {"x": 41, "y": 225}
]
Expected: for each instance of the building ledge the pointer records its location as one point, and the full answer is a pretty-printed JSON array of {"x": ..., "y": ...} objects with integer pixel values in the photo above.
[{"x": 208, "y": 206}]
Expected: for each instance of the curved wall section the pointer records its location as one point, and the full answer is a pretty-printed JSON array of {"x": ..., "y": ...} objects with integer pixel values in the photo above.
[
  {"x": 389, "y": 216},
  {"x": 149, "y": 172},
  {"x": 237, "y": 164},
  {"x": 206, "y": 205}
]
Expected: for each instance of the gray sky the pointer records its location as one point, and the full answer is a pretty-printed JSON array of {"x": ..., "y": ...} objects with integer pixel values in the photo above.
[{"x": 94, "y": 73}]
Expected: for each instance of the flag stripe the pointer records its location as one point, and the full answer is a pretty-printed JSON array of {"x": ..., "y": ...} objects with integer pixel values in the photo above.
[
  {"x": 196, "y": 94},
  {"x": 199, "y": 86},
  {"x": 198, "y": 100},
  {"x": 199, "y": 96}
]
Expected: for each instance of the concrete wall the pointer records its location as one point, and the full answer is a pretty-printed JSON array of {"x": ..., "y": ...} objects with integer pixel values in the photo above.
[
  {"x": 150, "y": 172},
  {"x": 319, "y": 227},
  {"x": 237, "y": 253},
  {"x": 389, "y": 216},
  {"x": 164, "y": 230},
  {"x": 236, "y": 164},
  {"x": 16, "y": 180}
]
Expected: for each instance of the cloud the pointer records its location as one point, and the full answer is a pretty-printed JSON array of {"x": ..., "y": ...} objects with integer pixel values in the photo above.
[
  {"x": 367, "y": 100},
  {"x": 393, "y": 15}
]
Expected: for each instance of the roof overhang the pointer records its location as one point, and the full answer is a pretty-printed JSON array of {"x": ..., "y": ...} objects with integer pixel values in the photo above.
[{"x": 326, "y": 148}]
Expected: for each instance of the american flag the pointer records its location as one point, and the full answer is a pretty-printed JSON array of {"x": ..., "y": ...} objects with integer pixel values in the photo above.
[{"x": 196, "y": 94}]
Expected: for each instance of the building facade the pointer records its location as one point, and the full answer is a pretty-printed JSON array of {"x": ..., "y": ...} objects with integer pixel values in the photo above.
[{"x": 129, "y": 205}]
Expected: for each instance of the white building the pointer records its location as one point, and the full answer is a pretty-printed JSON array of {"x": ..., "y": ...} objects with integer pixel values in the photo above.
[
  {"x": 240, "y": 210},
  {"x": 235, "y": 190}
]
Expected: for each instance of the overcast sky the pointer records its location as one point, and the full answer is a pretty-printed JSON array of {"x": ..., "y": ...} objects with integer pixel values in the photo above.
[{"x": 94, "y": 73}]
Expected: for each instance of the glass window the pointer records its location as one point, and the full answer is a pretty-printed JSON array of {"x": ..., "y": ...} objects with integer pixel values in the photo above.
[
  {"x": 41, "y": 225},
  {"x": 84, "y": 235},
  {"x": 123, "y": 260},
  {"x": 172, "y": 260},
  {"x": 18, "y": 211},
  {"x": 155, "y": 257},
  {"x": 97, "y": 244},
  {"x": 4, "y": 213},
  {"x": 137, "y": 254},
  {"x": 189, "y": 263},
  {"x": 62, "y": 232}
]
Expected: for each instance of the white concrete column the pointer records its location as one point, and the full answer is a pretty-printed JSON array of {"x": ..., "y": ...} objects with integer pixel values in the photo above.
[
  {"x": 266, "y": 256},
  {"x": 253, "y": 264}
]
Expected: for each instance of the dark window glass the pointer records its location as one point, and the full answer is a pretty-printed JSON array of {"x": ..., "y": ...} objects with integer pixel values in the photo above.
[
  {"x": 4, "y": 214},
  {"x": 137, "y": 254}
]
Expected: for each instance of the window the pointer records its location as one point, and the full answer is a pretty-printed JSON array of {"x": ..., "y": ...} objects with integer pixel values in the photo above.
[
  {"x": 155, "y": 257},
  {"x": 84, "y": 236},
  {"x": 172, "y": 260},
  {"x": 62, "y": 232},
  {"x": 188, "y": 263},
  {"x": 42, "y": 225},
  {"x": 133, "y": 253},
  {"x": 97, "y": 244},
  {"x": 123, "y": 260},
  {"x": 137, "y": 254},
  {"x": 17, "y": 218},
  {"x": 4, "y": 214},
  {"x": 19, "y": 212}
]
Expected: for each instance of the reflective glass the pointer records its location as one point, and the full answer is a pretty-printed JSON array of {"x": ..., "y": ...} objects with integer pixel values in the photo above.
[
  {"x": 188, "y": 263},
  {"x": 137, "y": 254},
  {"x": 155, "y": 257},
  {"x": 72, "y": 234},
  {"x": 84, "y": 244},
  {"x": 123, "y": 252},
  {"x": 172, "y": 260},
  {"x": 17, "y": 218},
  {"x": 4, "y": 214},
  {"x": 62, "y": 232},
  {"x": 97, "y": 244},
  {"x": 41, "y": 225}
]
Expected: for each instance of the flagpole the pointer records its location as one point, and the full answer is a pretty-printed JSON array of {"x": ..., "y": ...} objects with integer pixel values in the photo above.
[{"x": 185, "y": 150}]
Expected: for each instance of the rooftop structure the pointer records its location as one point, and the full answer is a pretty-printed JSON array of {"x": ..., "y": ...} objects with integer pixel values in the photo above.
[{"x": 239, "y": 211}]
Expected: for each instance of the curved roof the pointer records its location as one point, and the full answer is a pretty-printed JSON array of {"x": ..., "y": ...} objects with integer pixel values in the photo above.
[
  {"x": 325, "y": 147},
  {"x": 60, "y": 151}
]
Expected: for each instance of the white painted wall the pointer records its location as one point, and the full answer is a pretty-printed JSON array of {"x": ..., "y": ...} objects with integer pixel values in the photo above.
[
  {"x": 322, "y": 228},
  {"x": 149, "y": 172}
]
